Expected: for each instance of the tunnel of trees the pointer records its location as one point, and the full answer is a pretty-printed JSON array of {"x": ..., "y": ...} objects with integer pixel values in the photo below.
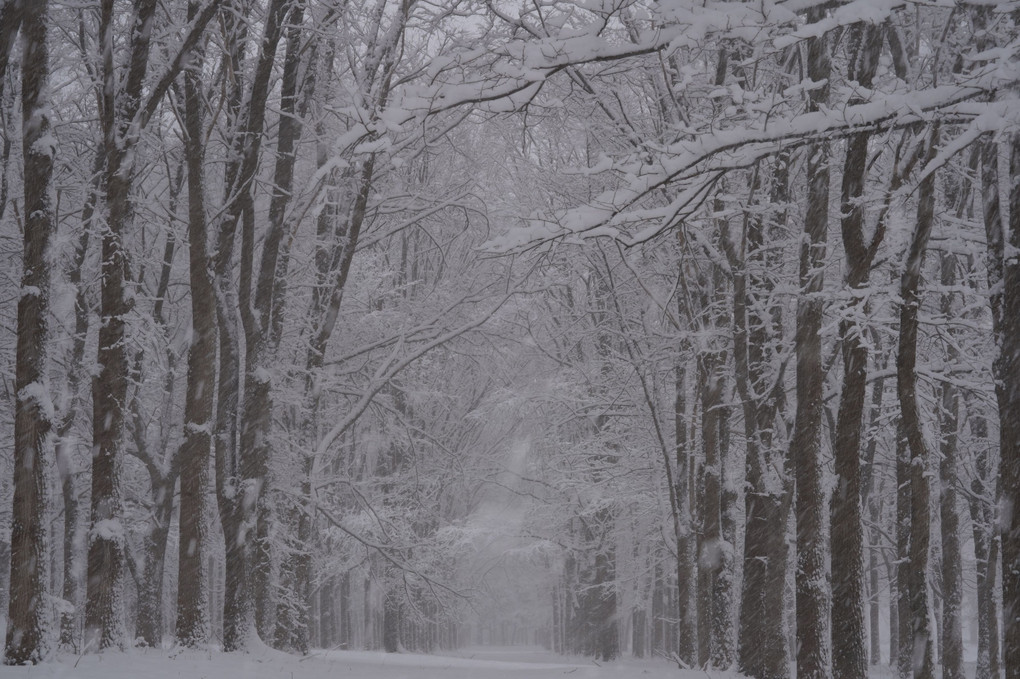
[{"x": 649, "y": 327}]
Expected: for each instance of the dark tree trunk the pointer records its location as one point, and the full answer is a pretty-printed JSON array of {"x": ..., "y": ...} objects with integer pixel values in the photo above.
[
  {"x": 906, "y": 386},
  {"x": 710, "y": 550},
  {"x": 952, "y": 566},
  {"x": 985, "y": 500},
  {"x": 391, "y": 621},
  {"x": 812, "y": 581},
  {"x": 874, "y": 503},
  {"x": 686, "y": 543},
  {"x": 874, "y": 608},
  {"x": 124, "y": 114},
  {"x": 904, "y": 648},
  {"x": 849, "y": 656},
  {"x": 762, "y": 643},
  {"x": 104, "y": 625},
  {"x": 1007, "y": 372},
  {"x": 241, "y": 466},
  {"x": 28, "y": 612},
  {"x": 149, "y": 618},
  {"x": 196, "y": 450},
  {"x": 986, "y": 555}
]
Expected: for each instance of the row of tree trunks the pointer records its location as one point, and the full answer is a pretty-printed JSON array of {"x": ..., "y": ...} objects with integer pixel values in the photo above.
[
  {"x": 242, "y": 462},
  {"x": 126, "y": 104}
]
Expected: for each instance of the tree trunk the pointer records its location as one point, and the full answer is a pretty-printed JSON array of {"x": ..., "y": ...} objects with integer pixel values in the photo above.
[
  {"x": 607, "y": 637},
  {"x": 710, "y": 559},
  {"x": 686, "y": 543},
  {"x": 904, "y": 649},
  {"x": 762, "y": 643},
  {"x": 122, "y": 118},
  {"x": 241, "y": 466},
  {"x": 874, "y": 608},
  {"x": 986, "y": 555},
  {"x": 28, "y": 611},
  {"x": 1007, "y": 373},
  {"x": 952, "y": 566},
  {"x": 149, "y": 618},
  {"x": 923, "y": 662},
  {"x": 104, "y": 626},
  {"x": 984, "y": 503},
  {"x": 874, "y": 502},
  {"x": 256, "y": 421},
  {"x": 812, "y": 582},
  {"x": 639, "y": 632},
  {"x": 70, "y": 620},
  {"x": 391, "y": 621},
  {"x": 849, "y": 656},
  {"x": 196, "y": 449}
]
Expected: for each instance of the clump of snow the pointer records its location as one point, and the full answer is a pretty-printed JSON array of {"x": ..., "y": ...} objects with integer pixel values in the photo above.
[
  {"x": 37, "y": 393},
  {"x": 46, "y": 145},
  {"x": 108, "y": 529}
]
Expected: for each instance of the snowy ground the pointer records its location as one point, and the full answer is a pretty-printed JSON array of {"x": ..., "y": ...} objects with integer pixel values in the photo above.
[
  {"x": 471, "y": 663},
  {"x": 481, "y": 663}
]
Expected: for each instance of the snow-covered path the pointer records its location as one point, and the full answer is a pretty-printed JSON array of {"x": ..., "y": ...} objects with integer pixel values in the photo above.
[{"x": 479, "y": 663}]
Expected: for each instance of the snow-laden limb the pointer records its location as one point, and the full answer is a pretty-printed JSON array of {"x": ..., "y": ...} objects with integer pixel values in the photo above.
[
  {"x": 868, "y": 11},
  {"x": 507, "y": 76},
  {"x": 693, "y": 166}
]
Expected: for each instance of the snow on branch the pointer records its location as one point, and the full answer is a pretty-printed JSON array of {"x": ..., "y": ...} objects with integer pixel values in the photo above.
[{"x": 695, "y": 165}]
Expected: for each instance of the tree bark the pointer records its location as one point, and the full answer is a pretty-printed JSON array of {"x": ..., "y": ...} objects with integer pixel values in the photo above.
[
  {"x": 149, "y": 618},
  {"x": 1007, "y": 372},
  {"x": 986, "y": 556},
  {"x": 686, "y": 542},
  {"x": 104, "y": 625},
  {"x": 923, "y": 661},
  {"x": 196, "y": 449},
  {"x": 28, "y": 611},
  {"x": 70, "y": 620},
  {"x": 761, "y": 638},
  {"x": 949, "y": 513},
  {"x": 241, "y": 465},
  {"x": 126, "y": 104},
  {"x": 903, "y": 650},
  {"x": 849, "y": 656},
  {"x": 812, "y": 582},
  {"x": 713, "y": 545}
]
